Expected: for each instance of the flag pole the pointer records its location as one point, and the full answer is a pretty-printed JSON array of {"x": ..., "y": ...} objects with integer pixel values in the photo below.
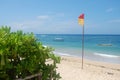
[
  {"x": 82, "y": 46},
  {"x": 81, "y": 22}
]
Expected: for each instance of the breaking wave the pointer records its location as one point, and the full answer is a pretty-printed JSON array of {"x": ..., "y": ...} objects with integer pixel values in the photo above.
[{"x": 106, "y": 55}]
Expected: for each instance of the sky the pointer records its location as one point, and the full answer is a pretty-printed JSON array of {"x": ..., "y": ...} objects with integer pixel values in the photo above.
[{"x": 61, "y": 16}]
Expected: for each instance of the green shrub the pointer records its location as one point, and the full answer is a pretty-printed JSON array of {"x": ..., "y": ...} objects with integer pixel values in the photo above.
[{"x": 22, "y": 55}]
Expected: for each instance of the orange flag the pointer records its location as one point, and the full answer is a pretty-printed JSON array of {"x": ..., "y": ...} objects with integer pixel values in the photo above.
[{"x": 81, "y": 19}]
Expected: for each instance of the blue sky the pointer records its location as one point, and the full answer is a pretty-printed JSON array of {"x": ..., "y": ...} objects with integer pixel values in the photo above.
[{"x": 61, "y": 16}]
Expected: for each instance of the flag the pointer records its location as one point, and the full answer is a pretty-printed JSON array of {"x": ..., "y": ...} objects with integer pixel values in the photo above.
[{"x": 81, "y": 19}]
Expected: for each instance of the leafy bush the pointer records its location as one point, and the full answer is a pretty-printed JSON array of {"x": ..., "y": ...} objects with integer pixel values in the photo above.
[{"x": 21, "y": 55}]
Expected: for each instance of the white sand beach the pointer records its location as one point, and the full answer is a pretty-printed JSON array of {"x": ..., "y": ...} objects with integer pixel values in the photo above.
[{"x": 70, "y": 69}]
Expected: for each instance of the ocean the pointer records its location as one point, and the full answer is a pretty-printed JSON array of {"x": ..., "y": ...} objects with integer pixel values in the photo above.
[{"x": 103, "y": 48}]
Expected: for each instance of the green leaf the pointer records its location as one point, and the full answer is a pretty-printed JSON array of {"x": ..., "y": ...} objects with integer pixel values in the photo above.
[{"x": 22, "y": 54}]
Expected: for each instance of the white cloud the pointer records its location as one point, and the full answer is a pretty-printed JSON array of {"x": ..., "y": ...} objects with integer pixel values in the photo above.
[
  {"x": 60, "y": 15},
  {"x": 115, "y": 21},
  {"x": 42, "y": 24},
  {"x": 43, "y": 17},
  {"x": 109, "y": 10},
  {"x": 26, "y": 26}
]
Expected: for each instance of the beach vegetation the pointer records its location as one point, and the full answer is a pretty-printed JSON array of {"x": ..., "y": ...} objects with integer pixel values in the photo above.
[{"x": 22, "y": 55}]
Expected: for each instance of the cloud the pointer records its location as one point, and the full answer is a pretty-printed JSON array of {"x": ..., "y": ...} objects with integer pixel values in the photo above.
[
  {"x": 43, "y": 17},
  {"x": 109, "y": 10},
  {"x": 115, "y": 21},
  {"x": 27, "y": 26},
  {"x": 60, "y": 15},
  {"x": 38, "y": 21},
  {"x": 57, "y": 23}
]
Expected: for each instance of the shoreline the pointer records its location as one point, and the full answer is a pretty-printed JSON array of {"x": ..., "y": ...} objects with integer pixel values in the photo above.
[
  {"x": 99, "y": 57},
  {"x": 70, "y": 68}
]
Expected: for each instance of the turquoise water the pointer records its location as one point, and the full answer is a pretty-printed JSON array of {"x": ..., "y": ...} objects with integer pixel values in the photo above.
[{"x": 71, "y": 44}]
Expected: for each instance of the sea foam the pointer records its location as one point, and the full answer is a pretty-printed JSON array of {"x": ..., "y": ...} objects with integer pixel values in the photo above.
[
  {"x": 64, "y": 54},
  {"x": 106, "y": 55}
]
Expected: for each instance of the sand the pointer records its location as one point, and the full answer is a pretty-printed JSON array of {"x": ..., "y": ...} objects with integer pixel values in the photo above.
[{"x": 70, "y": 69}]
